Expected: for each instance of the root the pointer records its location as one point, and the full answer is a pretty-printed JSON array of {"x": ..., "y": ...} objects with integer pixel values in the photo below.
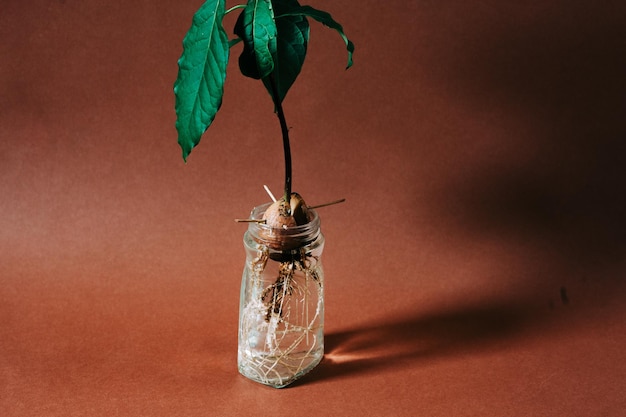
[{"x": 280, "y": 328}]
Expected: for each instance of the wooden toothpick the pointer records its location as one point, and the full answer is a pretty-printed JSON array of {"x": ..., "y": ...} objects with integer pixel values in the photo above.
[
  {"x": 263, "y": 221},
  {"x": 267, "y": 189},
  {"x": 328, "y": 204}
]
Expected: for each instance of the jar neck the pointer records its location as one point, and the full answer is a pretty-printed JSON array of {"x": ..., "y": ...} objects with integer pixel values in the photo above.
[{"x": 283, "y": 239}]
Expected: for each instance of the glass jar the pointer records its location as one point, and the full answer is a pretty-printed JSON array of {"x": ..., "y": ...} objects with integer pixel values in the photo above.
[{"x": 281, "y": 310}]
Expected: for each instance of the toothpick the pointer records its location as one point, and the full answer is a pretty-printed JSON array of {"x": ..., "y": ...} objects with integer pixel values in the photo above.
[
  {"x": 267, "y": 189},
  {"x": 263, "y": 221},
  {"x": 328, "y": 204}
]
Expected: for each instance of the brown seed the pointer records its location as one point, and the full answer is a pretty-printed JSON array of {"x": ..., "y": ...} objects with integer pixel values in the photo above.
[{"x": 282, "y": 215}]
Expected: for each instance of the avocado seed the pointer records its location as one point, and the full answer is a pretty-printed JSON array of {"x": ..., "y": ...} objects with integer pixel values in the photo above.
[{"x": 283, "y": 215}]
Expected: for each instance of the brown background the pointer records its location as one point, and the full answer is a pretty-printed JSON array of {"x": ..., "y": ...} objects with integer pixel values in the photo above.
[{"x": 476, "y": 268}]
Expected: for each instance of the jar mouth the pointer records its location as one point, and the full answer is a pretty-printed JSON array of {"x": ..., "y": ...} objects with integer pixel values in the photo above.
[{"x": 283, "y": 238}]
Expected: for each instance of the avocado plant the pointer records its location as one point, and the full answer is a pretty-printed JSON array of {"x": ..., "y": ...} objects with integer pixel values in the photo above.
[
  {"x": 275, "y": 35},
  {"x": 281, "y": 306}
]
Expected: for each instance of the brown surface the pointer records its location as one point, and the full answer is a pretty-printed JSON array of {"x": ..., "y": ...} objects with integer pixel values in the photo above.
[{"x": 476, "y": 268}]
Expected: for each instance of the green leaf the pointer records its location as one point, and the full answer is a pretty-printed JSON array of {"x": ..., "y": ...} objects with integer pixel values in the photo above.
[
  {"x": 324, "y": 18},
  {"x": 202, "y": 71},
  {"x": 293, "y": 37},
  {"x": 256, "y": 27}
]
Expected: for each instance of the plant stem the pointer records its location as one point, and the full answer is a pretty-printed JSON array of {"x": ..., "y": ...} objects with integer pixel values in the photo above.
[{"x": 285, "y": 132}]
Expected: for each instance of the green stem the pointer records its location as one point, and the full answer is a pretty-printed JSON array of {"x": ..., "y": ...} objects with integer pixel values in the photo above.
[
  {"x": 285, "y": 132},
  {"x": 239, "y": 6}
]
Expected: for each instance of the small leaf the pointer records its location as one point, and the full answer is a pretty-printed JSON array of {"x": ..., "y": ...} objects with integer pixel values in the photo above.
[
  {"x": 256, "y": 27},
  {"x": 202, "y": 71},
  {"x": 324, "y": 18},
  {"x": 293, "y": 37}
]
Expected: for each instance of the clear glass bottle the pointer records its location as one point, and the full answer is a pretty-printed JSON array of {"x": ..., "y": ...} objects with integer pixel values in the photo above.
[{"x": 281, "y": 310}]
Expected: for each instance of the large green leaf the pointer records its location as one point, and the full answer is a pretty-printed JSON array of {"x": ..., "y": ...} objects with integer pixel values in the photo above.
[
  {"x": 293, "y": 37},
  {"x": 202, "y": 71},
  {"x": 322, "y": 17},
  {"x": 256, "y": 27}
]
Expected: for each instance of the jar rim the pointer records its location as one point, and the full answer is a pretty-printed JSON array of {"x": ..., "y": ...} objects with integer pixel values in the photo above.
[{"x": 298, "y": 236}]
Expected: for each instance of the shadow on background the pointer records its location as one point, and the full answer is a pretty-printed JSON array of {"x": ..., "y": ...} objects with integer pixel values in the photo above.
[
  {"x": 398, "y": 343},
  {"x": 560, "y": 184}
]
